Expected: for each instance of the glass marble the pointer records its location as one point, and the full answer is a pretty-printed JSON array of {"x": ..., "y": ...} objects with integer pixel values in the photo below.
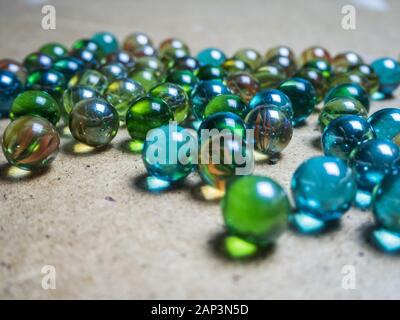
[
  {"x": 175, "y": 97},
  {"x": 339, "y": 107},
  {"x": 165, "y": 160},
  {"x": 185, "y": 63},
  {"x": 150, "y": 63},
  {"x": 322, "y": 65},
  {"x": 114, "y": 71},
  {"x": 315, "y": 52},
  {"x": 10, "y": 87},
  {"x": 122, "y": 57},
  {"x": 88, "y": 57},
  {"x": 202, "y": 94},
  {"x": 226, "y": 103},
  {"x": 94, "y": 122},
  {"x": 388, "y": 72},
  {"x": 224, "y": 121},
  {"x": 270, "y": 76},
  {"x": 349, "y": 90},
  {"x": 272, "y": 129},
  {"x": 323, "y": 187},
  {"x": 256, "y": 209},
  {"x": 386, "y": 123},
  {"x": 145, "y": 51},
  {"x": 135, "y": 40},
  {"x": 350, "y": 77},
  {"x": 37, "y": 60},
  {"x": 172, "y": 49},
  {"x": 121, "y": 93},
  {"x": 30, "y": 142},
  {"x": 90, "y": 78},
  {"x": 344, "y": 134},
  {"x": 232, "y": 66},
  {"x": 184, "y": 78},
  {"x": 88, "y": 45},
  {"x": 272, "y": 97},
  {"x": 106, "y": 41},
  {"x": 371, "y": 82},
  {"x": 287, "y": 64},
  {"x": 37, "y": 103},
  {"x": 54, "y": 50},
  {"x": 211, "y": 56},
  {"x": 72, "y": 96},
  {"x": 372, "y": 160},
  {"x": 249, "y": 56},
  {"x": 345, "y": 60},
  {"x": 51, "y": 81},
  {"x": 280, "y": 51},
  {"x": 243, "y": 84},
  {"x": 14, "y": 67},
  {"x": 69, "y": 66},
  {"x": 303, "y": 97},
  {"x": 145, "y": 114},
  {"x": 148, "y": 78},
  {"x": 210, "y": 72},
  {"x": 316, "y": 78}
]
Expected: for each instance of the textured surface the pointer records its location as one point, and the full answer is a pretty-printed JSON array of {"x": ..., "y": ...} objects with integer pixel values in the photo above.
[{"x": 108, "y": 238}]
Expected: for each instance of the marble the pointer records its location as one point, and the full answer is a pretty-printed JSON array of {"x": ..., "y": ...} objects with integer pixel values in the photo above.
[{"x": 386, "y": 124}]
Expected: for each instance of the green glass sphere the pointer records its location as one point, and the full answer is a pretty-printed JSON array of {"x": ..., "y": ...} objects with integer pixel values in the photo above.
[
  {"x": 349, "y": 90},
  {"x": 243, "y": 84},
  {"x": 37, "y": 103},
  {"x": 184, "y": 78},
  {"x": 51, "y": 81},
  {"x": 209, "y": 72},
  {"x": 234, "y": 65},
  {"x": 172, "y": 49},
  {"x": 54, "y": 50},
  {"x": 72, "y": 96},
  {"x": 316, "y": 78},
  {"x": 371, "y": 82},
  {"x": 322, "y": 65},
  {"x": 114, "y": 71},
  {"x": 256, "y": 209},
  {"x": 148, "y": 78},
  {"x": 94, "y": 122},
  {"x": 152, "y": 63},
  {"x": 226, "y": 103},
  {"x": 90, "y": 78},
  {"x": 270, "y": 76},
  {"x": 342, "y": 62},
  {"x": 37, "y": 61},
  {"x": 249, "y": 56}
]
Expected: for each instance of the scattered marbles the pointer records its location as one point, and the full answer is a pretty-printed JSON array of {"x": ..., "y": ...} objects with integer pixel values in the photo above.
[
  {"x": 10, "y": 87},
  {"x": 30, "y": 142},
  {"x": 37, "y": 60},
  {"x": 172, "y": 49},
  {"x": 316, "y": 78},
  {"x": 54, "y": 50},
  {"x": 303, "y": 97},
  {"x": 313, "y": 53},
  {"x": 148, "y": 78},
  {"x": 386, "y": 124},
  {"x": 122, "y": 57},
  {"x": 226, "y": 103},
  {"x": 114, "y": 71},
  {"x": 272, "y": 129},
  {"x": 202, "y": 94},
  {"x": 287, "y": 64},
  {"x": 270, "y": 76},
  {"x": 72, "y": 96},
  {"x": 38, "y": 103},
  {"x": 339, "y": 107},
  {"x": 344, "y": 134},
  {"x": 211, "y": 56},
  {"x": 323, "y": 187},
  {"x": 210, "y": 72},
  {"x": 388, "y": 72},
  {"x": 88, "y": 45},
  {"x": 185, "y": 63},
  {"x": 342, "y": 62},
  {"x": 14, "y": 67},
  {"x": 165, "y": 159},
  {"x": 184, "y": 78},
  {"x": 256, "y": 209},
  {"x": 349, "y": 90},
  {"x": 90, "y": 78},
  {"x": 322, "y": 65},
  {"x": 121, "y": 93},
  {"x": 223, "y": 121},
  {"x": 135, "y": 40},
  {"x": 280, "y": 51},
  {"x": 249, "y": 56},
  {"x": 94, "y": 122},
  {"x": 243, "y": 84},
  {"x": 233, "y": 65},
  {"x": 51, "y": 81},
  {"x": 69, "y": 66},
  {"x": 150, "y": 63},
  {"x": 145, "y": 114},
  {"x": 106, "y": 41},
  {"x": 272, "y": 97}
]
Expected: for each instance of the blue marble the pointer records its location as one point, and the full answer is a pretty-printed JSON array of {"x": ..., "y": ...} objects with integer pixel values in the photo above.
[
  {"x": 386, "y": 123},
  {"x": 388, "y": 72},
  {"x": 211, "y": 56},
  {"x": 10, "y": 87},
  {"x": 163, "y": 153},
  {"x": 203, "y": 93},
  {"x": 273, "y": 97},
  {"x": 323, "y": 187},
  {"x": 344, "y": 134},
  {"x": 106, "y": 41}
]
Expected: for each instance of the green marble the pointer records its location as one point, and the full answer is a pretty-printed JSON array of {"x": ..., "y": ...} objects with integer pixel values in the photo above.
[
  {"x": 90, "y": 78},
  {"x": 184, "y": 63},
  {"x": 37, "y": 60},
  {"x": 250, "y": 56},
  {"x": 313, "y": 53},
  {"x": 172, "y": 49},
  {"x": 344, "y": 61},
  {"x": 322, "y": 65},
  {"x": 114, "y": 71},
  {"x": 316, "y": 78},
  {"x": 51, "y": 81},
  {"x": 209, "y": 72},
  {"x": 243, "y": 84},
  {"x": 279, "y": 51},
  {"x": 349, "y": 90},
  {"x": 135, "y": 40},
  {"x": 54, "y": 50},
  {"x": 184, "y": 78},
  {"x": 233, "y": 65},
  {"x": 69, "y": 66},
  {"x": 151, "y": 63},
  {"x": 226, "y": 103},
  {"x": 72, "y": 96},
  {"x": 287, "y": 64},
  {"x": 148, "y": 78},
  {"x": 371, "y": 82},
  {"x": 89, "y": 45},
  {"x": 270, "y": 76}
]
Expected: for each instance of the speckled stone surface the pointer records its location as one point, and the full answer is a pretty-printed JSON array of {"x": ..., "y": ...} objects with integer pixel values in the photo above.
[{"x": 108, "y": 238}]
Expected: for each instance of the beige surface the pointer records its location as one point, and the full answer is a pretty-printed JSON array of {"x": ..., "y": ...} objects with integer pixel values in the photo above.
[{"x": 158, "y": 246}]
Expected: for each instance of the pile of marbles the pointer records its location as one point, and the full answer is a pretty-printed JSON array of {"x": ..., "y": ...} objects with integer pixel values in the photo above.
[{"x": 98, "y": 86}]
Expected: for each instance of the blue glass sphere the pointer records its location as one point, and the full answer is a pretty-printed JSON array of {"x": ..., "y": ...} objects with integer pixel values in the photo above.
[
  {"x": 323, "y": 187},
  {"x": 386, "y": 202},
  {"x": 10, "y": 86},
  {"x": 344, "y": 134},
  {"x": 203, "y": 93},
  {"x": 106, "y": 41},
  {"x": 166, "y": 152},
  {"x": 211, "y": 56},
  {"x": 349, "y": 90},
  {"x": 386, "y": 123},
  {"x": 388, "y": 72},
  {"x": 372, "y": 160},
  {"x": 275, "y": 98}
]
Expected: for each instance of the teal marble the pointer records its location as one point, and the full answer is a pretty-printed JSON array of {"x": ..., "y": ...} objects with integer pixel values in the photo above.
[
  {"x": 184, "y": 78},
  {"x": 349, "y": 90},
  {"x": 344, "y": 134},
  {"x": 386, "y": 123},
  {"x": 106, "y": 41},
  {"x": 203, "y": 93},
  {"x": 50, "y": 80},
  {"x": 388, "y": 72},
  {"x": 274, "y": 98},
  {"x": 212, "y": 56},
  {"x": 163, "y": 156},
  {"x": 323, "y": 187},
  {"x": 10, "y": 87},
  {"x": 303, "y": 97},
  {"x": 69, "y": 66},
  {"x": 224, "y": 121}
]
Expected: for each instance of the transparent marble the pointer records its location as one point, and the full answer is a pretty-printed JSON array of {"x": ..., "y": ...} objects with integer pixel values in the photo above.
[
  {"x": 272, "y": 97},
  {"x": 386, "y": 123}
]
